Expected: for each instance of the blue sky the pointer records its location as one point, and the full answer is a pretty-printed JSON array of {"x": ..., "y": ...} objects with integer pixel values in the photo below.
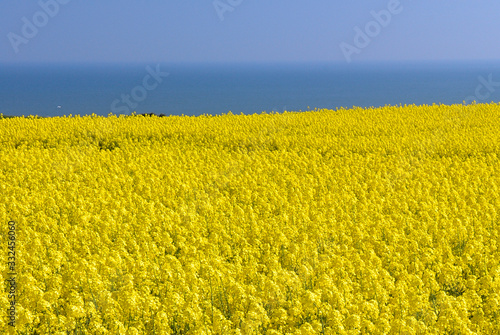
[{"x": 248, "y": 30}]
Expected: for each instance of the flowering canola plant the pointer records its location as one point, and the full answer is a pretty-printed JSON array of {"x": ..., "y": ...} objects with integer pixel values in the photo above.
[{"x": 349, "y": 221}]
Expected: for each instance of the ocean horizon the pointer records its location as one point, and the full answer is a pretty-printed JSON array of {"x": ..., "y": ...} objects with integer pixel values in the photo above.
[{"x": 196, "y": 89}]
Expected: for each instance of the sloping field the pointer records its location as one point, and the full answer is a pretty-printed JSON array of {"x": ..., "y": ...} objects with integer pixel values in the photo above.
[{"x": 372, "y": 221}]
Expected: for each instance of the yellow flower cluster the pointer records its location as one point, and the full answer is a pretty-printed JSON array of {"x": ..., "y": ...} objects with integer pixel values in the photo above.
[{"x": 350, "y": 221}]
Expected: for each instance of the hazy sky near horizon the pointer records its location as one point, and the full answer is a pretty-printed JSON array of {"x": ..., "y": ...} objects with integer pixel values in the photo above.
[{"x": 248, "y": 31}]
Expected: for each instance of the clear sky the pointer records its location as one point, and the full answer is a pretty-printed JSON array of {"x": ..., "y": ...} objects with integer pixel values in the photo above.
[{"x": 248, "y": 30}]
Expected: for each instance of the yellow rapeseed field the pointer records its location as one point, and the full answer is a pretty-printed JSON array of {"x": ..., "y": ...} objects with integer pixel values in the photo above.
[{"x": 350, "y": 221}]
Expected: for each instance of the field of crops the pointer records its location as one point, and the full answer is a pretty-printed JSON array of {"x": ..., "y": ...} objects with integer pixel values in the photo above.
[{"x": 349, "y": 221}]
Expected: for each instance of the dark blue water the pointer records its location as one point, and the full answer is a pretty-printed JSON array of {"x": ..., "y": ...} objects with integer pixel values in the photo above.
[{"x": 51, "y": 90}]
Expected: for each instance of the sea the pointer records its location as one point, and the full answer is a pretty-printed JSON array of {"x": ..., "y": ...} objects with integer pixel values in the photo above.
[{"x": 196, "y": 89}]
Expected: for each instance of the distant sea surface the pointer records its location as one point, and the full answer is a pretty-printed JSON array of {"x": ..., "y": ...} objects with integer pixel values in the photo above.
[{"x": 56, "y": 90}]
